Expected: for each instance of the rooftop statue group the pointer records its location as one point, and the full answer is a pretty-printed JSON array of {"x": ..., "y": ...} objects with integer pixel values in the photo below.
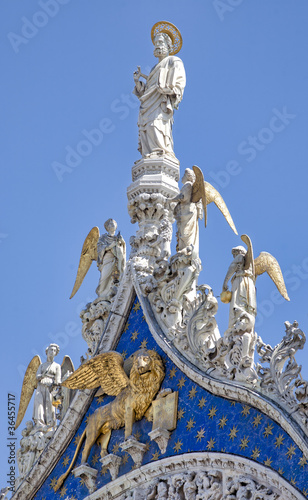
[
  {"x": 171, "y": 286},
  {"x": 175, "y": 283}
]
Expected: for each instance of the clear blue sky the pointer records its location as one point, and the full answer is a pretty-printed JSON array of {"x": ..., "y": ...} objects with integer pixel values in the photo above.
[{"x": 243, "y": 120}]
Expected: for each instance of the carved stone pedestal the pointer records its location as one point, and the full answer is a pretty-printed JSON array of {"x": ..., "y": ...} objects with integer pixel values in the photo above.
[
  {"x": 155, "y": 183},
  {"x": 135, "y": 449},
  {"x": 112, "y": 463},
  {"x": 151, "y": 175},
  {"x": 88, "y": 474},
  {"x": 161, "y": 437}
]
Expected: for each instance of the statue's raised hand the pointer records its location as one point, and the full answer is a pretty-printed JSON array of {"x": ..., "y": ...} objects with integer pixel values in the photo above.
[{"x": 137, "y": 74}]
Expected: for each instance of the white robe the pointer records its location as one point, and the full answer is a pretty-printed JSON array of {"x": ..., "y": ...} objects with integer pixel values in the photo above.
[
  {"x": 44, "y": 413},
  {"x": 158, "y": 98}
]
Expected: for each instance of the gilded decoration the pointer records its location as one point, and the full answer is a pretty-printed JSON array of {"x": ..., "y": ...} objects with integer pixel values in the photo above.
[
  {"x": 172, "y": 31},
  {"x": 134, "y": 394}
]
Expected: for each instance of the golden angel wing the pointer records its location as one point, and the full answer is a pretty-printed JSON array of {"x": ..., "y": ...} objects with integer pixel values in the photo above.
[
  {"x": 28, "y": 386},
  {"x": 249, "y": 260},
  {"x": 88, "y": 253},
  {"x": 212, "y": 195},
  {"x": 266, "y": 262},
  {"x": 105, "y": 371},
  {"x": 198, "y": 191}
]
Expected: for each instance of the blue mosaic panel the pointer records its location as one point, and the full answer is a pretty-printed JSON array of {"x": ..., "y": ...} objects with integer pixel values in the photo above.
[{"x": 205, "y": 423}]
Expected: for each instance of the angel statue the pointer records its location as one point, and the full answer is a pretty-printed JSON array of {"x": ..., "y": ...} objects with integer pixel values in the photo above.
[
  {"x": 162, "y": 92},
  {"x": 243, "y": 272},
  {"x": 109, "y": 251},
  {"x": 195, "y": 195},
  {"x": 45, "y": 378}
]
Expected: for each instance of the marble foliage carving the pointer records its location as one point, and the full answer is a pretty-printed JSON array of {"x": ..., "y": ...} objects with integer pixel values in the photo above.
[{"x": 280, "y": 375}]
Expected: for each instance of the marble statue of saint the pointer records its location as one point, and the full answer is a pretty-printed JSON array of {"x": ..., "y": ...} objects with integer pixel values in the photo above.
[
  {"x": 190, "y": 487},
  {"x": 109, "y": 251},
  {"x": 162, "y": 491},
  {"x": 23, "y": 451},
  {"x": 192, "y": 203},
  {"x": 161, "y": 94}
]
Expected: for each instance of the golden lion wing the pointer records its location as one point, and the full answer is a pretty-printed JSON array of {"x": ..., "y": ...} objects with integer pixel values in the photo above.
[
  {"x": 105, "y": 371},
  {"x": 88, "y": 253},
  {"x": 28, "y": 386},
  {"x": 266, "y": 262},
  {"x": 212, "y": 195},
  {"x": 198, "y": 190}
]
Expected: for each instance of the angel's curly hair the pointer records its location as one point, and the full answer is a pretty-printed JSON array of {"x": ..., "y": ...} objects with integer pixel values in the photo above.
[{"x": 53, "y": 345}]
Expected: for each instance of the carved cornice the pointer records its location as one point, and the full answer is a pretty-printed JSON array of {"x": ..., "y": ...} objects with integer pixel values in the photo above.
[
  {"x": 228, "y": 465},
  {"x": 164, "y": 165}
]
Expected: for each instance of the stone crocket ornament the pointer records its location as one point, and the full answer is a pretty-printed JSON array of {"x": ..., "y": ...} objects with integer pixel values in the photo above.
[
  {"x": 134, "y": 394},
  {"x": 109, "y": 251}
]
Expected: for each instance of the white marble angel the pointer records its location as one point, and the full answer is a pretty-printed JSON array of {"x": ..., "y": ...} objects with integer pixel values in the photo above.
[
  {"x": 192, "y": 203},
  {"x": 243, "y": 272},
  {"x": 45, "y": 379},
  {"x": 109, "y": 251}
]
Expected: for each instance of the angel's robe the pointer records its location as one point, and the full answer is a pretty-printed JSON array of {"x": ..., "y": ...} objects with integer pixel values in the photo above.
[
  {"x": 187, "y": 214},
  {"x": 111, "y": 262},
  {"x": 161, "y": 94},
  {"x": 243, "y": 290},
  {"x": 44, "y": 413}
]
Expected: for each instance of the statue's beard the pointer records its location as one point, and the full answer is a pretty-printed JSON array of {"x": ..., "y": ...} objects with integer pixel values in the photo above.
[{"x": 160, "y": 52}]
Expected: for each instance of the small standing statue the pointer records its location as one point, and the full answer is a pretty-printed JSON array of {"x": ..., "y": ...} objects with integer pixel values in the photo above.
[
  {"x": 46, "y": 379},
  {"x": 189, "y": 209},
  {"x": 162, "y": 92},
  {"x": 238, "y": 344},
  {"x": 243, "y": 272},
  {"x": 110, "y": 253}
]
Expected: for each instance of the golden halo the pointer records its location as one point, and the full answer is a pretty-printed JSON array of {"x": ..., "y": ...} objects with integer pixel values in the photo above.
[{"x": 172, "y": 31}]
